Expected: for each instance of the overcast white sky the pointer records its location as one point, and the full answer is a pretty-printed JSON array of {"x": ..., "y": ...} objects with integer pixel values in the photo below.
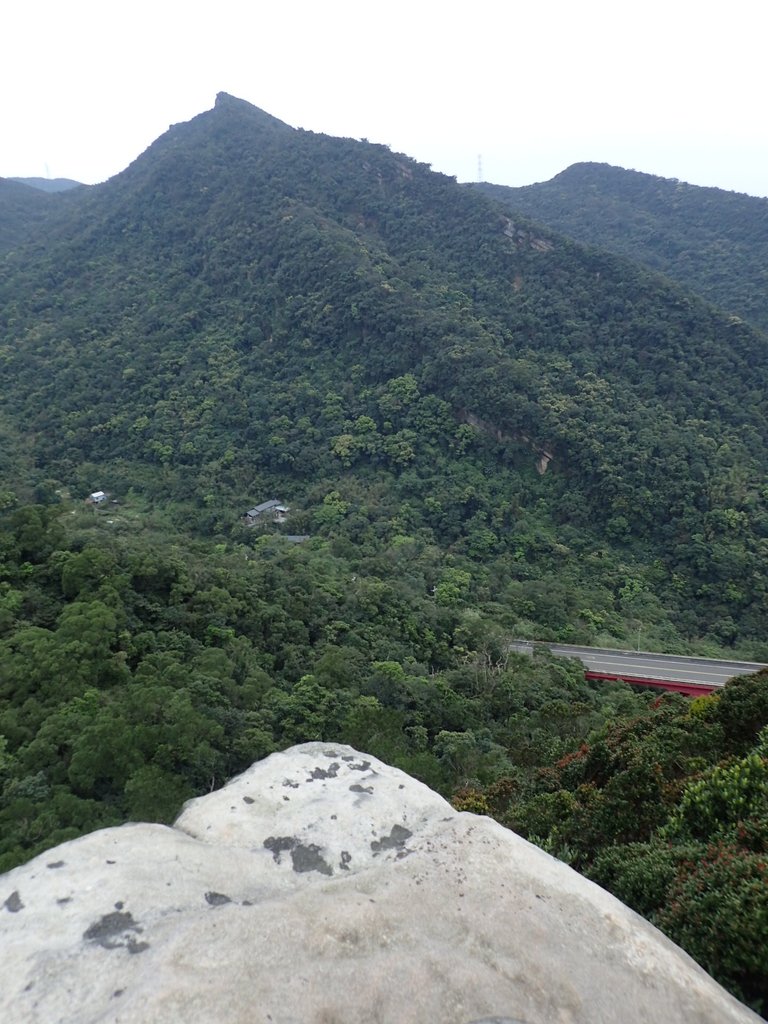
[{"x": 675, "y": 88}]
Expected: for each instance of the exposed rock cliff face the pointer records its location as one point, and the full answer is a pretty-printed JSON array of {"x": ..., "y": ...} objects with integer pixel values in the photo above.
[
  {"x": 545, "y": 455},
  {"x": 325, "y": 886}
]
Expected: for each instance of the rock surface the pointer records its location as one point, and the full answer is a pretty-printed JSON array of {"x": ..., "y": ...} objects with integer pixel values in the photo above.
[{"x": 324, "y": 886}]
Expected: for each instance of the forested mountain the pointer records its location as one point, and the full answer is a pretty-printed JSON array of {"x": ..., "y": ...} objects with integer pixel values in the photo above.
[
  {"x": 712, "y": 241},
  {"x": 480, "y": 428},
  {"x": 243, "y": 302}
]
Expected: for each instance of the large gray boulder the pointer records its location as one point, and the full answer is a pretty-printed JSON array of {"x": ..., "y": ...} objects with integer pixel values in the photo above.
[{"x": 324, "y": 886}]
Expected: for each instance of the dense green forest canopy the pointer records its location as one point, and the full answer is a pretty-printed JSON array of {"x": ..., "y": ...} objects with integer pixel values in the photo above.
[
  {"x": 711, "y": 241},
  {"x": 480, "y": 429}
]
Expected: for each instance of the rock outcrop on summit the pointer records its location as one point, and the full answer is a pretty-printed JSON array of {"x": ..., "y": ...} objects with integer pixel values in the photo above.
[{"x": 322, "y": 885}]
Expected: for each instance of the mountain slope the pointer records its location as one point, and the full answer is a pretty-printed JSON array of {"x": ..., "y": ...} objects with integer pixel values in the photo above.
[
  {"x": 247, "y": 301},
  {"x": 712, "y": 241}
]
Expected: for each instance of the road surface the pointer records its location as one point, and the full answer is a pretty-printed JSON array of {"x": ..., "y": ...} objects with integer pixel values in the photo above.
[{"x": 645, "y": 665}]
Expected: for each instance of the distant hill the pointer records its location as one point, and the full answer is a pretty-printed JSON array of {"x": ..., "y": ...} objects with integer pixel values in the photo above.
[
  {"x": 28, "y": 211},
  {"x": 50, "y": 184},
  {"x": 22, "y": 210},
  {"x": 712, "y": 241}
]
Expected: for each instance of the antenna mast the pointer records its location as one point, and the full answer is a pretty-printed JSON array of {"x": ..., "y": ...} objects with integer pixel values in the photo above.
[{"x": 479, "y": 167}]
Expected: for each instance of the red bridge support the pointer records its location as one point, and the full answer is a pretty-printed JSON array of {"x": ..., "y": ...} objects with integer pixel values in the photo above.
[{"x": 688, "y": 689}]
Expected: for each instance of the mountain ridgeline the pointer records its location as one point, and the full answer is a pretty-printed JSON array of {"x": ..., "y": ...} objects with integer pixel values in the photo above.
[
  {"x": 248, "y": 302},
  {"x": 50, "y": 184},
  {"x": 711, "y": 241}
]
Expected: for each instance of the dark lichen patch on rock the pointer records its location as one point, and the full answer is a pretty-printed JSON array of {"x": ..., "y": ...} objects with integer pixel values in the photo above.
[
  {"x": 291, "y": 783},
  {"x": 361, "y": 766},
  {"x": 396, "y": 840},
  {"x": 55, "y": 864},
  {"x": 217, "y": 899},
  {"x": 307, "y": 858},
  {"x": 304, "y": 857},
  {"x": 14, "y": 903},
  {"x": 248, "y": 800},
  {"x": 113, "y": 931},
  {"x": 357, "y": 788},
  {"x": 279, "y": 844},
  {"x": 346, "y": 857},
  {"x": 136, "y": 947},
  {"x": 324, "y": 773}
]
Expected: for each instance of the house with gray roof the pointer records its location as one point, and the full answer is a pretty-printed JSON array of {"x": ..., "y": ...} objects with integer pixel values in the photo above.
[{"x": 273, "y": 511}]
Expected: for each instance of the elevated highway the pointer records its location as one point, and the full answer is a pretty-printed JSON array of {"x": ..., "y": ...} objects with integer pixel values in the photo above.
[{"x": 680, "y": 673}]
